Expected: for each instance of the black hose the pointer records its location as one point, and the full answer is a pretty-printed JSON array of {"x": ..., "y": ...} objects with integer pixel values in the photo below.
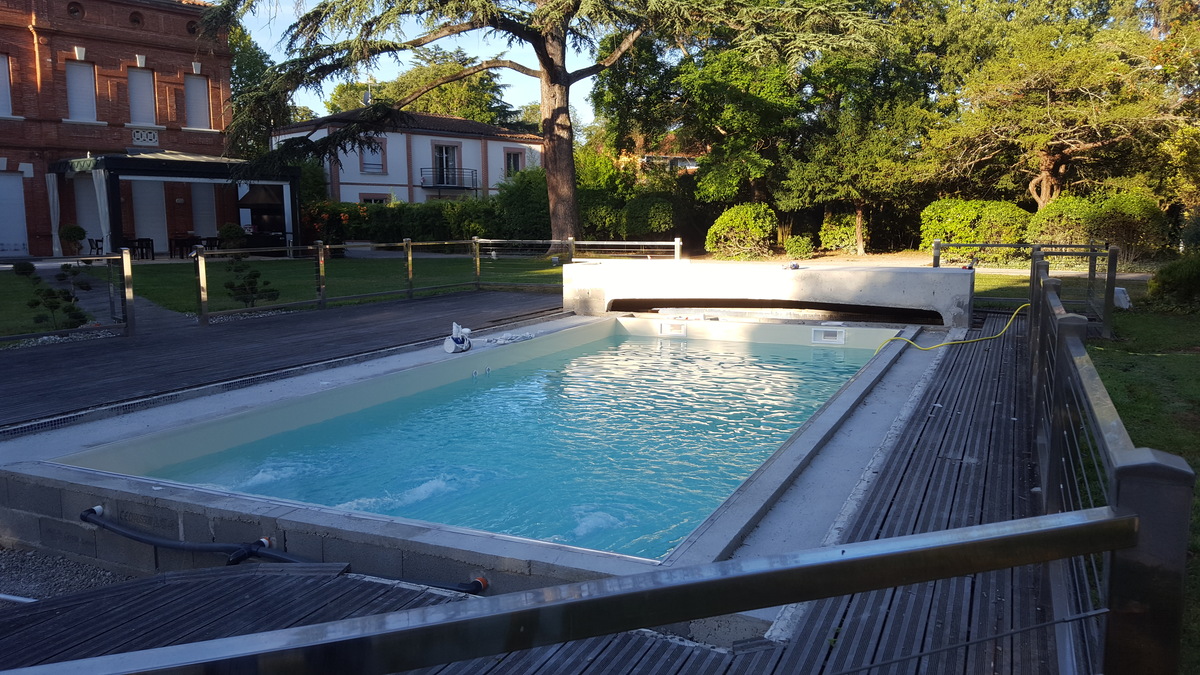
[
  {"x": 239, "y": 552},
  {"x": 236, "y": 552}
]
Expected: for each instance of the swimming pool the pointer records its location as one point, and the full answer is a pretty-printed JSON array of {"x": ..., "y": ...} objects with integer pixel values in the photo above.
[{"x": 591, "y": 500}]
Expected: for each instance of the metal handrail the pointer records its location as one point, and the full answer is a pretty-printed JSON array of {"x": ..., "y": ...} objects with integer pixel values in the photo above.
[
  {"x": 427, "y": 636},
  {"x": 1100, "y": 297},
  {"x": 1087, "y": 460}
]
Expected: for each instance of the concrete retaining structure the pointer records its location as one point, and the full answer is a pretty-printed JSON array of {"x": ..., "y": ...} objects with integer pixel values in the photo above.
[
  {"x": 40, "y": 504},
  {"x": 591, "y": 286}
]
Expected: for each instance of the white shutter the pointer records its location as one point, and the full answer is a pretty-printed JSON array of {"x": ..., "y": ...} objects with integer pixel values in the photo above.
[
  {"x": 141, "y": 96},
  {"x": 195, "y": 94},
  {"x": 5, "y": 84},
  {"x": 81, "y": 91},
  {"x": 14, "y": 238}
]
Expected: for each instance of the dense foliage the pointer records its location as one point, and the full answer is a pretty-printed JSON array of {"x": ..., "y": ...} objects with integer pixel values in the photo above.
[
  {"x": 1178, "y": 281},
  {"x": 339, "y": 38},
  {"x": 742, "y": 232},
  {"x": 1084, "y": 114},
  {"x": 962, "y": 221}
]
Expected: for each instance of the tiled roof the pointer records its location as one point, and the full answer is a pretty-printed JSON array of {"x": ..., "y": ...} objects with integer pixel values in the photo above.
[{"x": 416, "y": 121}]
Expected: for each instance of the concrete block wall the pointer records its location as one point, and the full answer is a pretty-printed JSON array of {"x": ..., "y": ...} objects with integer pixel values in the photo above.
[{"x": 41, "y": 503}]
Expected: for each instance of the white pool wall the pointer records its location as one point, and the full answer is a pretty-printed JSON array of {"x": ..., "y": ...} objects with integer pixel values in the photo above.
[
  {"x": 151, "y": 452},
  {"x": 591, "y": 286}
]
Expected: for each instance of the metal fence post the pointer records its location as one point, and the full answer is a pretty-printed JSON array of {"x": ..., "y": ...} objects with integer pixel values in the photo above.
[
  {"x": 320, "y": 246},
  {"x": 1146, "y": 582},
  {"x": 678, "y": 248},
  {"x": 475, "y": 253},
  {"x": 937, "y": 252},
  {"x": 1110, "y": 293},
  {"x": 1039, "y": 269},
  {"x": 201, "y": 286},
  {"x": 127, "y": 281},
  {"x": 408, "y": 256}
]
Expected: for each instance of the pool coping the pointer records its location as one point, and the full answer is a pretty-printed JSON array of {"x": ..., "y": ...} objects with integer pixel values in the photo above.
[{"x": 42, "y": 500}]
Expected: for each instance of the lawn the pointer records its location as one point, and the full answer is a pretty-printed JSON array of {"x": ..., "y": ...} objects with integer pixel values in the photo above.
[
  {"x": 173, "y": 286},
  {"x": 1152, "y": 372},
  {"x": 1017, "y": 286}
]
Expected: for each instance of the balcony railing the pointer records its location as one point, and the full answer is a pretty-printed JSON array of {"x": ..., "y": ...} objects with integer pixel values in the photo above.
[{"x": 449, "y": 179}]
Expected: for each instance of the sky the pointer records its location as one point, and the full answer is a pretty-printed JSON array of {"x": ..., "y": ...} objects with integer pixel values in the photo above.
[{"x": 267, "y": 27}]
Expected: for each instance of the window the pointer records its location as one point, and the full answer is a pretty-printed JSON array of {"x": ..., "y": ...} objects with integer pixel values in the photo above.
[
  {"x": 81, "y": 91},
  {"x": 141, "y": 96},
  {"x": 371, "y": 198},
  {"x": 195, "y": 95},
  {"x": 373, "y": 160},
  {"x": 445, "y": 164},
  {"x": 193, "y": 27},
  {"x": 514, "y": 161},
  {"x": 75, "y": 10},
  {"x": 5, "y": 90}
]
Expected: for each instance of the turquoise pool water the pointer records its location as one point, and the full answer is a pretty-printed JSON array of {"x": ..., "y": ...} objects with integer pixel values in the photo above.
[{"x": 625, "y": 444}]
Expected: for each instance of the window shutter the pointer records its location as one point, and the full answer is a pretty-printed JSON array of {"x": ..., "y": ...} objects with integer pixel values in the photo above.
[
  {"x": 5, "y": 84},
  {"x": 195, "y": 93},
  {"x": 141, "y": 96},
  {"x": 81, "y": 91}
]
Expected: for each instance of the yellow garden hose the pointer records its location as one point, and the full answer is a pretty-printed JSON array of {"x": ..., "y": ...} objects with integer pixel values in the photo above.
[{"x": 958, "y": 342}]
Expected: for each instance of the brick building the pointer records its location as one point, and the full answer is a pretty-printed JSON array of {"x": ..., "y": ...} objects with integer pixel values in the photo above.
[{"x": 127, "y": 82}]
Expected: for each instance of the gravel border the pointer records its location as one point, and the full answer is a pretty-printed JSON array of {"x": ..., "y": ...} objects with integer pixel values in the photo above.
[{"x": 34, "y": 575}]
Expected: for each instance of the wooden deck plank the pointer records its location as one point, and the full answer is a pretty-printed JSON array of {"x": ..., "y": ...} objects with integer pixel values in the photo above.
[
  {"x": 627, "y": 648},
  {"x": 666, "y": 657},
  {"x": 958, "y": 487},
  {"x": 577, "y": 655},
  {"x": 152, "y": 362},
  {"x": 117, "y": 625}
]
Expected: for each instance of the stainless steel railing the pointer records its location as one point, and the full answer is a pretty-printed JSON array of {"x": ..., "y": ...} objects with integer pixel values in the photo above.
[
  {"x": 1088, "y": 461},
  {"x": 1099, "y": 296},
  {"x": 461, "y": 631}
]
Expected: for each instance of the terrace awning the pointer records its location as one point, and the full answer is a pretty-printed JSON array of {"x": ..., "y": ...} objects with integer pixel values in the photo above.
[{"x": 179, "y": 167}]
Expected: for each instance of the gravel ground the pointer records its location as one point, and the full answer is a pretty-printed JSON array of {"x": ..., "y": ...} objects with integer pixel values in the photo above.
[{"x": 29, "y": 574}]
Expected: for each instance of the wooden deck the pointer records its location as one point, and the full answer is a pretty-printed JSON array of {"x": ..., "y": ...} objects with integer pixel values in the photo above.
[
  {"x": 964, "y": 459},
  {"x": 170, "y": 352}
]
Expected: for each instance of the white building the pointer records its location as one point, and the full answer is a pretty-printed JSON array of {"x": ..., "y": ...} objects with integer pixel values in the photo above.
[{"x": 422, "y": 157}]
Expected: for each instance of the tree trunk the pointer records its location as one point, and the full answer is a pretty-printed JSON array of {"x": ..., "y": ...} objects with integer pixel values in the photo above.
[
  {"x": 558, "y": 135},
  {"x": 859, "y": 240},
  {"x": 1048, "y": 184}
]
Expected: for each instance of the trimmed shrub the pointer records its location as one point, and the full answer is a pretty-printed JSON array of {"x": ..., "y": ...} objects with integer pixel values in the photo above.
[
  {"x": 1178, "y": 280},
  {"x": 524, "y": 206},
  {"x": 1066, "y": 220},
  {"x": 646, "y": 214},
  {"x": 799, "y": 247},
  {"x": 1190, "y": 235},
  {"x": 741, "y": 233},
  {"x": 975, "y": 221},
  {"x": 470, "y": 218},
  {"x": 951, "y": 220},
  {"x": 1132, "y": 221},
  {"x": 599, "y": 214},
  {"x": 837, "y": 233}
]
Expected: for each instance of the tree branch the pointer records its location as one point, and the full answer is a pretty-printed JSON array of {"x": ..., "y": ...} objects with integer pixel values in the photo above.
[
  {"x": 465, "y": 73},
  {"x": 608, "y": 61}
]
